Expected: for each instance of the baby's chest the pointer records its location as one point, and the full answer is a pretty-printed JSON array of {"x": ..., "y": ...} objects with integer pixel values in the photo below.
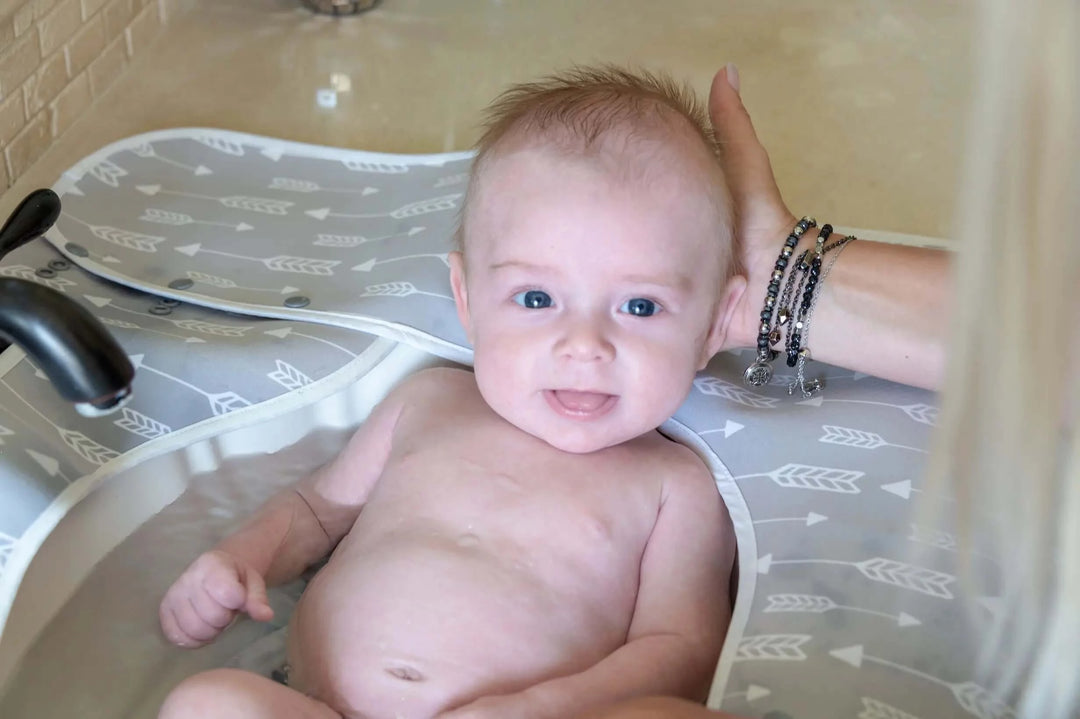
[{"x": 526, "y": 494}]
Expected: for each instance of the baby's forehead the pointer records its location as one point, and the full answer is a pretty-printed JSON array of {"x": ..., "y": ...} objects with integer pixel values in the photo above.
[
  {"x": 537, "y": 189},
  {"x": 676, "y": 166}
]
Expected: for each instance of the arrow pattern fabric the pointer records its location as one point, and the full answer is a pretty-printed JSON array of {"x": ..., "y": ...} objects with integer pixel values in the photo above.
[{"x": 235, "y": 269}]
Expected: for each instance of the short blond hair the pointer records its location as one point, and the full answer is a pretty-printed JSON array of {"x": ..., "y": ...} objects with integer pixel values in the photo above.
[{"x": 576, "y": 110}]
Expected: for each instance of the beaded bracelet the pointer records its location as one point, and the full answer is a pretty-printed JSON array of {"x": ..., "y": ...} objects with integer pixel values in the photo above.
[
  {"x": 760, "y": 371},
  {"x": 811, "y": 271},
  {"x": 799, "y": 382}
]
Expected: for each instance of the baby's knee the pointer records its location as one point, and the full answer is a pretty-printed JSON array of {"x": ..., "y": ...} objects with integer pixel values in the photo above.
[{"x": 211, "y": 694}]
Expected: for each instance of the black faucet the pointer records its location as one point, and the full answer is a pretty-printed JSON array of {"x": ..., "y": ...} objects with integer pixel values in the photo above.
[{"x": 71, "y": 346}]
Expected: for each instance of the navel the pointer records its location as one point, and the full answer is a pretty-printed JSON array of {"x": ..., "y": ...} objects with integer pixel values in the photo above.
[
  {"x": 405, "y": 673},
  {"x": 468, "y": 540}
]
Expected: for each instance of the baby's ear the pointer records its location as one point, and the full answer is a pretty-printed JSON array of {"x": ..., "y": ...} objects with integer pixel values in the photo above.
[
  {"x": 723, "y": 316},
  {"x": 461, "y": 291}
]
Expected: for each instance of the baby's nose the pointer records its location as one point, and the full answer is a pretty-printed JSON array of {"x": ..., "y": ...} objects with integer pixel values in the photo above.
[{"x": 586, "y": 340}]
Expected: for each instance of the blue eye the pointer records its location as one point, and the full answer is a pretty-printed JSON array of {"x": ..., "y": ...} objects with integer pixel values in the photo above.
[
  {"x": 533, "y": 299},
  {"x": 640, "y": 307}
]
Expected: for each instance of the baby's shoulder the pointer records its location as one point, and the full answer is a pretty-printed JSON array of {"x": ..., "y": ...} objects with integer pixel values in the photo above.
[
  {"x": 435, "y": 385},
  {"x": 678, "y": 467}
]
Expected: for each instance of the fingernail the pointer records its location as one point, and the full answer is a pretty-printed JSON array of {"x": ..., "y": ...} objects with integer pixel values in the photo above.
[{"x": 732, "y": 75}]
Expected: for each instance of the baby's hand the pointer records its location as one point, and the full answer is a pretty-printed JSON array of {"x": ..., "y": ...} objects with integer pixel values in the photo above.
[{"x": 208, "y": 596}]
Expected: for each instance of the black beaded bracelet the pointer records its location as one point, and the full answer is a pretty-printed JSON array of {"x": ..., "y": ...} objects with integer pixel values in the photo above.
[
  {"x": 760, "y": 371},
  {"x": 812, "y": 269},
  {"x": 808, "y": 387}
]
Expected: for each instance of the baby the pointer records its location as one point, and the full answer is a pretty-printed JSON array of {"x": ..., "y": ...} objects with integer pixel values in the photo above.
[{"x": 518, "y": 541}]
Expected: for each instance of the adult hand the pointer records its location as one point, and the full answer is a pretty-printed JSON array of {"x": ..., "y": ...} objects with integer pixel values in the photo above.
[
  {"x": 208, "y": 596},
  {"x": 762, "y": 219}
]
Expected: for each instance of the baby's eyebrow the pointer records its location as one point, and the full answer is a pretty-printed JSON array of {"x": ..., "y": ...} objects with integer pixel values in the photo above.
[
  {"x": 675, "y": 280},
  {"x": 517, "y": 265}
]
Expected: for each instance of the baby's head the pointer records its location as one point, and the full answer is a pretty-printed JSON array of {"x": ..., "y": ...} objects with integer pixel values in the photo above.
[{"x": 595, "y": 266}]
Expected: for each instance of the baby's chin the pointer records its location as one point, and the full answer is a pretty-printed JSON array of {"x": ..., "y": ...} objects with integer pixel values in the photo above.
[{"x": 584, "y": 442}]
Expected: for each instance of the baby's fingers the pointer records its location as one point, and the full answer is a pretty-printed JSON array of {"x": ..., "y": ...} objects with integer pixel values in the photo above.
[
  {"x": 226, "y": 588},
  {"x": 210, "y": 611},
  {"x": 182, "y": 626},
  {"x": 257, "y": 605}
]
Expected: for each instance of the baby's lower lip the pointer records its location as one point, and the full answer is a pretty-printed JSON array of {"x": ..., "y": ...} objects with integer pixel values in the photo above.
[{"x": 579, "y": 405}]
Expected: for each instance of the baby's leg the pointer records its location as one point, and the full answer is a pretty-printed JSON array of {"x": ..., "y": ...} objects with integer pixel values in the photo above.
[{"x": 235, "y": 694}]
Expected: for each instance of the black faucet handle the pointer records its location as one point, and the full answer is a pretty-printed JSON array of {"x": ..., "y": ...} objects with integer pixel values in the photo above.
[{"x": 32, "y": 218}]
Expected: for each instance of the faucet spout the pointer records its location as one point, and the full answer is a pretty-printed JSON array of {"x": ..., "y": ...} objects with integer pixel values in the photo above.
[{"x": 71, "y": 346}]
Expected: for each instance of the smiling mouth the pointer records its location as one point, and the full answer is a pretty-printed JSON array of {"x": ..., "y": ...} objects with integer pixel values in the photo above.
[{"x": 576, "y": 404}]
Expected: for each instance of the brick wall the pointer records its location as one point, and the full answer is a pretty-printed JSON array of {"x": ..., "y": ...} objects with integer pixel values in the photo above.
[{"x": 56, "y": 57}]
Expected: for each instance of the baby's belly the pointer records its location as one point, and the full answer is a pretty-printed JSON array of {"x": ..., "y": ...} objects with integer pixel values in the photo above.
[{"x": 408, "y": 626}]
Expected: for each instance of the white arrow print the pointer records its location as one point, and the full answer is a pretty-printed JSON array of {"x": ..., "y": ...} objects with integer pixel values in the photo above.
[
  {"x": 818, "y": 604},
  {"x": 880, "y": 569},
  {"x": 850, "y": 437},
  {"x": 422, "y": 207},
  {"x": 277, "y": 263},
  {"x": 287, "y": 331},
  {"x": 807, "y": 476},
  {"x": 448, "y": 180},
  {"x": 49, "y": 464},
  {"x": 236, "y": 202},
  {"x": 290, "y": 184},
  {"x": 326, "y": 240},
  {"x": 196, "y": 325},
  {"x": 810, "y": 519},
  {"x": 178, "y": 219},
  {"x": 220, "y": 402},
  {"x": 716, "y": 387},
  {"x": 225, "y": 283},
  {"x": 25, "y": 272},
  {"x": 132, "y": 326},
  {"x": 728, "y": 429},
  {"x": 905, "y": 490},
  {"x": 123, "y": 238},
  {"x": 86, "y": 448},
  {"x": 753, "y": 693},
  {"x": 924, "y": 413},
  {"x": 969, "y": 695},
  {"x": 366, "y": 266},
  {"x": 147, "y": 150},
  {"x": 386, "y": 168},
  {"x": 398, "y": 289}
]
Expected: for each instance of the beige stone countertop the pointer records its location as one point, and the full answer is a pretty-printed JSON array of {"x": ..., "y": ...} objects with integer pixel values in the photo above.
[{"x": 861, "y": 103}]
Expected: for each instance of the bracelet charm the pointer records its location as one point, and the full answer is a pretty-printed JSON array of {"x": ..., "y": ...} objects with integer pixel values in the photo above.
[{"x": 758, "y": 374}]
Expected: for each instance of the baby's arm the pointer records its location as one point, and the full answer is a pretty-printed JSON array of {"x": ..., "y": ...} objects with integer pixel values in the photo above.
[
  {"x": 680, "y": 619},
  {"x": 295, "y": 528}
]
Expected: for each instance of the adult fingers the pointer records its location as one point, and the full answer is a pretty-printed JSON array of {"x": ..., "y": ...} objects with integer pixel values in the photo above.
[{"x": 747, "y": 163}]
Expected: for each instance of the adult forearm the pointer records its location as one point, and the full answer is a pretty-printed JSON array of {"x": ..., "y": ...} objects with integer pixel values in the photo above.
[
  {"x": 281, "y": 540},
  {"x": 883, "y": 310}
]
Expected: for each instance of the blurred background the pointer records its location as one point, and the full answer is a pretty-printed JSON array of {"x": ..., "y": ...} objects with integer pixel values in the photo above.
[{"x": 861, "y": 103}]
